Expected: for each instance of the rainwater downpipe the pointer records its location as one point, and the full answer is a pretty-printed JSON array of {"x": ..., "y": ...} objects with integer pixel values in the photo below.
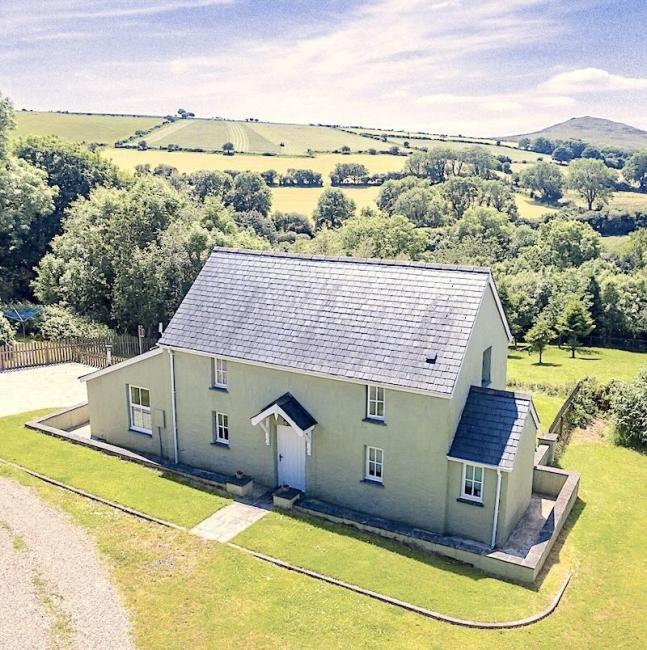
[
  {"x": 173, "y": 409},
  {"x": 495, "y": 521}
]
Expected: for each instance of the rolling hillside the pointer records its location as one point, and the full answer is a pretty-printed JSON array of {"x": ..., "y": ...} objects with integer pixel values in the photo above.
[{"x": 594, "y": 130}]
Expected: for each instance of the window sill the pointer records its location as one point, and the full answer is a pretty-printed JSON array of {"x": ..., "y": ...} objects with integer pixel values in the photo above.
[
  {"x": 371, "y": 481},
  {"x": 219, "y": 389},
  {"x": 224, "y": 445},
  {"x": 141, "y": 432},
  {"x": 374, "y": 421},
  {"x": 470, "y": 502}
]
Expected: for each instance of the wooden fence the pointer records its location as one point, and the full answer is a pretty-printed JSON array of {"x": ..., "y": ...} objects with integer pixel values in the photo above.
[
  {"x": 557, "y": 426},
  {"x": 91, "y": 352}
]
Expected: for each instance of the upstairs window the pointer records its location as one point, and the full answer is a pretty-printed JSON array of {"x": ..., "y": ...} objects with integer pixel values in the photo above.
[
  {"x": 374, "y": 464},
  {"x": 375, "y": 402},
  {"x": 221, "y": 428},
  {"x": 219, "y": 373},
  {"x": 139, "y": 402},
  {"x": 486, "y": 367},
  {"x": 472, "y": 483}
]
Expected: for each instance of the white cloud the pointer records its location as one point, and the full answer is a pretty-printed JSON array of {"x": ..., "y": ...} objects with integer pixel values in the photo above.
[{"x": 585, "y": 80}]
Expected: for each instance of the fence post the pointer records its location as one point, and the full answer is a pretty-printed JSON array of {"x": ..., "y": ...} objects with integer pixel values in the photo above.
[{"x": 108, "y": 354}]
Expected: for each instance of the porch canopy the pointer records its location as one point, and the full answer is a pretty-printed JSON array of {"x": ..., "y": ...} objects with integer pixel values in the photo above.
[{"x": 289, "y": 408}]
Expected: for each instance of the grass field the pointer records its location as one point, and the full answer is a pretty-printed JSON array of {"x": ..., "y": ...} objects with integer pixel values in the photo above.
[
  {"x": 190, "y": 162},
  {"x": 615, "y": 244},
  {"x": 183, "y": 592},
  {"x": 132, "y": 485},
  {"x": 256, "y": 137},
  {"x": 103, "y": 129},
  {"x": 558, "y": 370},
  {"x": 531, "y": 209}
]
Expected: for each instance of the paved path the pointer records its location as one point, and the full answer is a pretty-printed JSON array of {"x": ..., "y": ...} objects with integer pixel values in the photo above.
[
  {"x": 35, "y": 388},
  {"x": 54, "y": 590},
  {"x": 226, "y": 523}
]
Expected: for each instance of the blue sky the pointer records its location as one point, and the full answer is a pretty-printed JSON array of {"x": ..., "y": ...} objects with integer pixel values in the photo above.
[{"x": 488, "y": 67}]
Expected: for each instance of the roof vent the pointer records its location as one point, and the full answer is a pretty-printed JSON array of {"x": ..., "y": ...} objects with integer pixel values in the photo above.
[{"x": 431, "y": 357}]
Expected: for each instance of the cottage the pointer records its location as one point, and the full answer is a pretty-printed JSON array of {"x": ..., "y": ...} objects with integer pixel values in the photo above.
[{"x": 378, "y": 386}]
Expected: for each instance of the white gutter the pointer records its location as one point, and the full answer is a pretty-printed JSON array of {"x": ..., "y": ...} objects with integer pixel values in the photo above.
[
  {"x": 173, "y": 411},
  {"x": 495, "y": 521}
]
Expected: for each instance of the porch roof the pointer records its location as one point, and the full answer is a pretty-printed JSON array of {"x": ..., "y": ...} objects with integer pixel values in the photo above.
[{"x": 288, "y": 405}]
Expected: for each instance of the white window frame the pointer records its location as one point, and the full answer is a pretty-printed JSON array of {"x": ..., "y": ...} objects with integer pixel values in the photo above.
[
  {"x": 220, "y": 373},
  {"x": 143, "y": 411},
  {"x": 221, "y": 428},
  {"x": 371, "y": 466},
  {"x": 370, "y": 401},
  {"x": 473, "y": 482}
]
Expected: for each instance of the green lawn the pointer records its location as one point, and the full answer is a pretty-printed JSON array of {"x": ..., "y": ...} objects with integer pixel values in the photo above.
[
  {"x": 184, "y": 592},
  {"x": 121, "y": 481},
  {"x": 104, "y": 129},
  {"x": 559, "y": 371},
  {"x": 547, "y": 407}
]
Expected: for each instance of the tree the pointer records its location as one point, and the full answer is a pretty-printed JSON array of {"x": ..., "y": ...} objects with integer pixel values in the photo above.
[
  {"x": 7, "y": 332},
  {"x": 422, "y": 206},
  {"x": 540, "y": 335},
  {"x": 562, "y": 154},
  {"x": 635, "y": 169},
  {"x": 461, "y": 193},
  {"x": 497, "y": 195},
  {"x": 208, "y": 183},
  {"x": 6, "y": 124},
  {"x": 228, "y": 148},
  {"x": 294, "y": 222},
  {"x": 56, "y": 322},
  {"x": 259, "y": 223},
  {"x": 545, "y": 179},
  {"x": 591, "y": 152},
  {"x": 354, "y": 173},
  {"x": 542, "y": 145},
  {"x": 479, "y": 161},
  {"x": 523, "y": 143},
  {"x": 592, "y": 180},
  {"x": 574, "y": 323},
  {"x": 249, "y": 192},
  {"x": 566, "y": 243},
  {"x": 391, "y": 190},
  {"x": 629, "y": 408},
  {"x": 333, "y": 208}
]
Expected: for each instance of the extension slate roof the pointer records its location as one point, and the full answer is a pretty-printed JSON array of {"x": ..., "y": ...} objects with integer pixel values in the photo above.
[
  {"x": 491, "y": 426},
  {"x": 368, "y": 320},
  {"x": 293, "y": 409}
]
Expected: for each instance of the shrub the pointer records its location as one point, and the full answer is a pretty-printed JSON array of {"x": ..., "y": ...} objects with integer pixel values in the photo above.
[
  {"x": 7, "y": 332},
  {"x": 56, "y": 322},
  {"x": 630, "y": 412}
]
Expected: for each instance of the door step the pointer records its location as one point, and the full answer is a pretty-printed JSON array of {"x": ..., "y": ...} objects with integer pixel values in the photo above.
[{"x": 285, "y": 497}]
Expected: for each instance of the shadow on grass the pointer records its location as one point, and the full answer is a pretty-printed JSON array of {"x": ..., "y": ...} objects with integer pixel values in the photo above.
[
  {"x": 436, "y": 560},
  {"x": 547, "y": 364}
]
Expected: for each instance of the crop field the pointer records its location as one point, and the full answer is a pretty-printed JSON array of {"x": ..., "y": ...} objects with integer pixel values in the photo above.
[
  {"x": 189, "y": 162},
  {"x": 103, "y": 129},
  {"x": 256, "y": 137},
  {"x": 304, "y": 199}
]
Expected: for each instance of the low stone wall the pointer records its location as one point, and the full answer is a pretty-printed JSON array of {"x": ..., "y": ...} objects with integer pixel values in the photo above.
[
  {"x": 550, "y": 440},
  {"x": 69, "y": 418},
  {"x": 542, "y": 455},
  {"x": 548, "y": 480}
]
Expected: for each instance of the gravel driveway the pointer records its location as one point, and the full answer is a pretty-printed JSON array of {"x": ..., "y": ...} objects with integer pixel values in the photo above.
[
  {"x": 36, "y": 388},
  {"x": 54, "y": 590}
]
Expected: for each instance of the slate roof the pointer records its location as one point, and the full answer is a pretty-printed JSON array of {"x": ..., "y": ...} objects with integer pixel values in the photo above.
[
  {"x": 490, "y": 427},
  {"x": 294, "y": 410},
  {"x": 369, "y": 320}
]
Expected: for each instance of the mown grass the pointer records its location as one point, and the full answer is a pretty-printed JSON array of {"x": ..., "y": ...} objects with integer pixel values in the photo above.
[
  {"x": 559, "y": 371},
  {"x": 184, "y": 592},
  {"x": 103, "y": 129},
  {"x": 132, "y": 485}
]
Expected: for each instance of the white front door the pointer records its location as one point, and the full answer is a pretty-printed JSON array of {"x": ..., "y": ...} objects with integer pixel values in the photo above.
[{"x": 291, "y": 450}]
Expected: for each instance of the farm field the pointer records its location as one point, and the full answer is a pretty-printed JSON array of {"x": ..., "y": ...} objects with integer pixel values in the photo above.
[
  {"x": 185, "y": 581},
  {"x": 531, "y": 209},
  {"x": 304, "y": 199},
  {"x": 256, "y": 137},
  {"x": 186, "y": 161},
  {"x": 103, "y": 129}
]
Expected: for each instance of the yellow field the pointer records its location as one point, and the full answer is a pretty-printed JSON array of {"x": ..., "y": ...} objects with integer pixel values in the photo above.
[
  {"x": 531, "y": 209},
  {"x": 190, "y": 162},
  {"x": 304, "y": 199}
]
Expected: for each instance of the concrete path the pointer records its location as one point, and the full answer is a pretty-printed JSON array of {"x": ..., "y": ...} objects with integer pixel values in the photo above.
[
  {"x": 226, "y": 523},
  {"x": 35, "y": 388}
]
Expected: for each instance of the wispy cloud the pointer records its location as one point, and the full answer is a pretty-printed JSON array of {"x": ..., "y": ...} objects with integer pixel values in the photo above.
[{"x": 587, "y": 80}]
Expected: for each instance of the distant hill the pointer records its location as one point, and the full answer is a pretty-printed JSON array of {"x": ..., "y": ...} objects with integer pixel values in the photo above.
[{"x": 594, "y": 130}]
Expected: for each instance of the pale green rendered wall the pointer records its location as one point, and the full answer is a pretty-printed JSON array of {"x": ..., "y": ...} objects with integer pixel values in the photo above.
[{"x": 108, "y": 404}]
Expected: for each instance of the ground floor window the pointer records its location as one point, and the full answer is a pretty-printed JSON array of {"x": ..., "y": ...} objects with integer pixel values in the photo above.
[
  {"x": 374, "y": 464},
  {"x": 140, "y": 409},
  {"x": 221, "y": 428},
  {"x": 472, "y": 482}
]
